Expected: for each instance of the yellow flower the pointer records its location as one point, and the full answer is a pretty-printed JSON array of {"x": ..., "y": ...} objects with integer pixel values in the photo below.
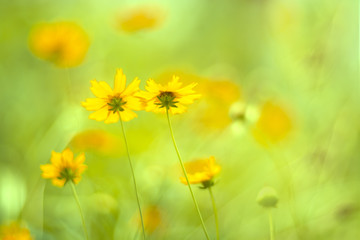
[
  {"x": 109, "y": 103},
  {"x": 14, "y": 231},
  {"x": 64, "y": 168},
  {"x": 173, "y": 97},
  {"x": 273, "y": 125},
  {"x": 201, "y": 171},
  {"x": 63, "y": 43},
  {"x": 140, "y": 18}
]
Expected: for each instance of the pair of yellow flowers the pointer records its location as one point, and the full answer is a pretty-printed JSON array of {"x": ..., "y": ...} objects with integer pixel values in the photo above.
[{"x": 119, "y": 103}]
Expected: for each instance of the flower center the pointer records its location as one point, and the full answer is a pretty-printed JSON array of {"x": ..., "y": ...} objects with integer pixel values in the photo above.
[
  {"x": 166, "y": 100},
  {"x": 116, "y": 104},
  {"x": 67, "y": 174}
]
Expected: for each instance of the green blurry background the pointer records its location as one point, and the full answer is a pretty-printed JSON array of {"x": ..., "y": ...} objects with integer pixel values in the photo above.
[{"x": 301, "y": 54}]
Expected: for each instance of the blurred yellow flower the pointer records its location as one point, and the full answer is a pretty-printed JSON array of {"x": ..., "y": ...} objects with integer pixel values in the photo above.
[
  {"x": 140, "y": 18},
  {"x": 64, "y": 168},
  {"x": 100, "y": 141},
  {"x": 172, "y": 97},
  {"x": 63, "y": 43},
  {"x": 14, "y": 231},
  {"x": 109, "y": 103},
  {"x": 273, "y": 125},
  {"x": 201, "y": 171},
  {"x": 152, "y": 218}
]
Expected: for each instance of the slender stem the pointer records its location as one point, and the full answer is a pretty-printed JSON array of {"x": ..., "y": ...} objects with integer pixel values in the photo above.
[
  {"x": 215, "y": 213},
  {"x": 271, "y": 226},
  {"x": 81, "y": 212},
  {"x": 186, "y": 176},
  {"x": 133, "y": 176}
]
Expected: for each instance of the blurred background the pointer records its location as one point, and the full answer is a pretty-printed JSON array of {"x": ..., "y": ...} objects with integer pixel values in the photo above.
[{"x": 280, "y": 107}]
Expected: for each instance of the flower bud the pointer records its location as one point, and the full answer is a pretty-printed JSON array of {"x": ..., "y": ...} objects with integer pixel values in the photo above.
[{"x": 267, "y": 197}]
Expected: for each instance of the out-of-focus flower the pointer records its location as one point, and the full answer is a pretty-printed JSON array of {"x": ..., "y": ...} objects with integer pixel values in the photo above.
[
  {"x": 273, "y": 125},
  {"x": 171, "y": 97},
  {"x": 201, "y": 171},
  {"x": 267, "y": 197},
  {"x": 63, "y": 43},
  {"x": 99, "y": 141},
  {"x": 111, "y": 104},
  {"x": 64, "y": 168},
  {"x": 152, "y": 218},
  {"x": 140, "y": 18},
  {"x": 14, "y": 231}
]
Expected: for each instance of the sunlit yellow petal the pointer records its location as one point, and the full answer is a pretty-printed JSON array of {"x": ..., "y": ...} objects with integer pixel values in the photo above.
[
  {"x": 112, "y": 117},
  {"x": 58, "y": 182},
  {"x": 100, "y": 115},
  {"x": 49, "y": 171},
  {"x": 67, "y": 156},
  {"x": 94, "y": 104},
  {"x": 100, "y": 89},
  {"x": 132, "y": 88},
  {"x": 120, "y": 81},
  {"x": 133, "y": 103},
  {"x": 127, "y": 115},
  {"x": 56, "y": 158}
]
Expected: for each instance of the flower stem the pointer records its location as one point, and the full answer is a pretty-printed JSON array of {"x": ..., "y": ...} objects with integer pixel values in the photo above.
[
  {"x": 215, "y": 212},
  {"x": 81, "y": 213},
  {"x": 186, "y": 176},
  {"x": 271, "y": 225},
  {"x": 133, "y": 176}
]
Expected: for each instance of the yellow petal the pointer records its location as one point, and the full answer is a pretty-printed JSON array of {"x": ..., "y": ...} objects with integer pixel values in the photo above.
[
  {"x": 133, "y": 103},
  {"x": 100, "y": 89},
  {"x": 49, "y": 171},
  {"x": 187, "y": 90},
  {"x": 188, "y": 99},
  {"x": 153, "y": 87},
  {"x": 79, "y": 159},
  {"x": 120, "y": 81},
  {"x": 127, "y": 115},
  {"x": 112, "y": 117},
  {"x": 100, "y": 115},
  {"x": 94, "y": 104},
  {"x": 174, "y": 84},
  {"x": 67, "y": 156},
  {"x": 58, "y": 182},
  {"x": 56, "y": 159},
  {"x": 179, "y": 109},
  {"x": 132, "y": 88}
]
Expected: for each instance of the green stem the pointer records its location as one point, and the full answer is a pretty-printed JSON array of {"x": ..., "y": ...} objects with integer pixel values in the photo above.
[
  {"x": 133, "y": 176},
  {"x": 271, "y": 226},
  {"x": 81, "y": 213},
  {"x": 215, "y": 212},
  {"x": 186, "y": 176}
]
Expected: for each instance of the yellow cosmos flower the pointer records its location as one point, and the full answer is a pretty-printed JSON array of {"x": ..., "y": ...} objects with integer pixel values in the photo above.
[
  {"x": 14, "y": 231},
  {"x": 201, "y": 171},
  {"x": 140, "y": 18},
  {"x": 171, "y": 97},
  {"x": 273, "y": 125},
  {"x": 111, "y": 104},
  {"x": 63, "y": 43},
  {"x": 64, "y": 168}
]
